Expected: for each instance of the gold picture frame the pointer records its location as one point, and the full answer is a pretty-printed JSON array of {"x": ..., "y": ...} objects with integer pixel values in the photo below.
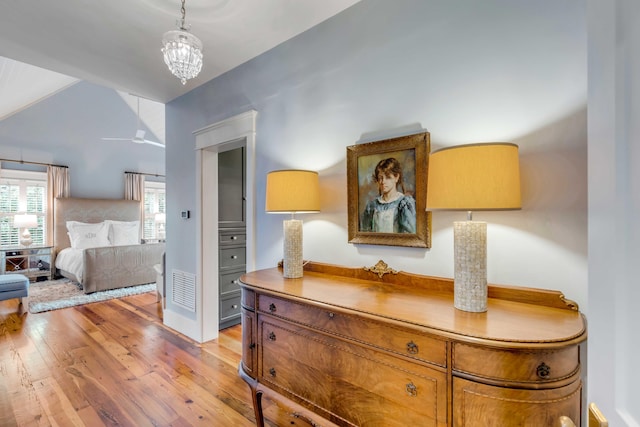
[{"x": 411, "y": 154}]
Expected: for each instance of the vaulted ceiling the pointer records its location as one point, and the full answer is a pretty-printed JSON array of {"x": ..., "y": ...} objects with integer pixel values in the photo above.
[{"x": 48, "y": 45}]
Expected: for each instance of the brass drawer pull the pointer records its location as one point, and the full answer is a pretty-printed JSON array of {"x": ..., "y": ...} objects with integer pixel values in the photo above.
[
  {"x": 272, "y": 336},
  {"x": 331, "y": 315},
  {"x": 412, "y": 390},
  {"x": 543, "y": 370},
  {"x": 412, "y": 348},
  {"x": 272, "y": 372},
  {"x": 272, "y": 307}
]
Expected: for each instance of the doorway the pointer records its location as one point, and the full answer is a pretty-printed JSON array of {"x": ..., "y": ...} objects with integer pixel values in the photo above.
[{"x": 235, "y": 132}]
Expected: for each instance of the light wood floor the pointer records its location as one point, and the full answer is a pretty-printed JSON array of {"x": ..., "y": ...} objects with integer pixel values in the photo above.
[{"x": 113, "y": 363}]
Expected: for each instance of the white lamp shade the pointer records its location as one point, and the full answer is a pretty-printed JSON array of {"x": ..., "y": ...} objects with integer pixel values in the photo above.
[
  {"x": 474, "y": 177},
  {"x": 25, "y": 221},
  {"x": 290, "y": 191}
]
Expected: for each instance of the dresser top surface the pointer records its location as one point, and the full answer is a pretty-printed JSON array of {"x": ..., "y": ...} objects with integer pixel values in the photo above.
[{"x": 428, "y": 304}]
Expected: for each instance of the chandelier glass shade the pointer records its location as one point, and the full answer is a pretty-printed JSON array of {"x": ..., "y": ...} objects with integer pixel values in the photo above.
[{"x": 182, "y": 51}]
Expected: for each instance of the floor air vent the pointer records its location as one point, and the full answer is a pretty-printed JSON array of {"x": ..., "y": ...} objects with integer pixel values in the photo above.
[{"x": 184, "y": 290}]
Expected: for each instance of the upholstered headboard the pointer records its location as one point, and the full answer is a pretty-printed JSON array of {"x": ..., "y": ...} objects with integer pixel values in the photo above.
[{"x": 89, "y": 210}]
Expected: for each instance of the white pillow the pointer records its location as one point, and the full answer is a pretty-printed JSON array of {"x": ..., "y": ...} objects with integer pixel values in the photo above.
[
  {"x": 72, "y": 224},
  {"x": 124, "y": 232},
  {"x": 70, "y": 227},
  {"x": 84, "y": 235}
]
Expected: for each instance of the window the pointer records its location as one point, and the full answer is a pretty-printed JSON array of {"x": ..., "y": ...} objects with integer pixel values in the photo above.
[
  {"x": 22, "y": 192},
  {"x": 154, "y": 211}
]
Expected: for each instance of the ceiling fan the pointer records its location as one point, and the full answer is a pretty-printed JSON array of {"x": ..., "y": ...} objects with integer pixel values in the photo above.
[{"x": 139, "y": 136}]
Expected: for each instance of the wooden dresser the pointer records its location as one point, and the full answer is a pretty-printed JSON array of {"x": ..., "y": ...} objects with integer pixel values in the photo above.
[{"x": 375, "y": 348}]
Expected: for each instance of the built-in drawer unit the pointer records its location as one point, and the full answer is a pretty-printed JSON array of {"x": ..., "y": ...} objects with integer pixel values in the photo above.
[
  {"x": 232, "y": 232},
  {"x": 232, "y": 264}
]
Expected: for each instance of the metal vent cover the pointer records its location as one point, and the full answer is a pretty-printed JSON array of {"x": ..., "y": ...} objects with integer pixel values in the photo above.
[{"x": 184, "y": 290}]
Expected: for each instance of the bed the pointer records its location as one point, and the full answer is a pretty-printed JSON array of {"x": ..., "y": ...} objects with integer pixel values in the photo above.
[{"x": 104, "y": 266}]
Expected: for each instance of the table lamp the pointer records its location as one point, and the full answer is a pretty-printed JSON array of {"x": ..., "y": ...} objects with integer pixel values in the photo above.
[
  {"x": 292, "y": 191},
  {"x": 24, "y": 222},
  {"x": 471, "y": 178},
  {"x": 160, "y": 219}
]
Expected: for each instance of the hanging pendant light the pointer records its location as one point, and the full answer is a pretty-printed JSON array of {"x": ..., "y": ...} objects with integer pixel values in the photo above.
[{"x": 182, "y": 51}]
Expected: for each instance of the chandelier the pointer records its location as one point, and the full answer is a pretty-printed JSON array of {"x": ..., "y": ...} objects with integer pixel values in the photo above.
[{"x": 182, "y": 51}]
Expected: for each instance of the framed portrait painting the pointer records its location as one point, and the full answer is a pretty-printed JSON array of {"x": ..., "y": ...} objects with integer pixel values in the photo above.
[{"x": 387, "y": 192}]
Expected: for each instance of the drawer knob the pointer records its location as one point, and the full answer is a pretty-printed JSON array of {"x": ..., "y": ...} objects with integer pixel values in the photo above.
[
  {"x": 235, "y": 282},
  {"x": 331, "y": 315},
  {"x": 234, "y": 306},
  {"x": 234, "y": 256},
  {"x": 272, "y": 307},
  {"x": 252, "y": 346},
  {"x": 234, "y": 237},
  {"x": 412, "y": 348},
  {"x": 543, "y": 370},
  {"x": 272, "y": 372},
  {"x": 272, "y": 336},
  {"x": 412, "y": 390}
]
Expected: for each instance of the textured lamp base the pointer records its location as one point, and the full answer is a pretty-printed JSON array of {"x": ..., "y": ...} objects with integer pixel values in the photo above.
[
  {"x": 292, "y": 248},
  {"x": 470, "y": 265}
]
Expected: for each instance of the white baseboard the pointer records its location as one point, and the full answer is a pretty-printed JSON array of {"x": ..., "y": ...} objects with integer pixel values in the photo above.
[{"x": 182, "y": 324}]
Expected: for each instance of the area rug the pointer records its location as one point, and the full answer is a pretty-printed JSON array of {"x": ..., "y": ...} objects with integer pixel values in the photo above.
[{"x": 62, "y": 293}]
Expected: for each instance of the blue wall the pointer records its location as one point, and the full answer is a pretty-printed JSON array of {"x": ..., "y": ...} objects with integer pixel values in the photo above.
[
  {"x": 467, "y": 71},
  {"x": 66, "y": 128}
]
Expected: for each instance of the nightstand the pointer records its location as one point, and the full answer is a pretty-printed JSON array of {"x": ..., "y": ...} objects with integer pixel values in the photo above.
[{"x": 33, "y": 261}]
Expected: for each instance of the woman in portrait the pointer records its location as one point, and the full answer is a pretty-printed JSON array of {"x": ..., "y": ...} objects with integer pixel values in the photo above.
[{"x": 391, "y": 211}]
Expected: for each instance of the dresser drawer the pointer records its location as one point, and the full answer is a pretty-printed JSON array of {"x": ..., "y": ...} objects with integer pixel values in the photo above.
[
  {"x": 232, "y": 257},
  {"x": 229, "y": 281},
  {"x": 401, "y": 341},
  {"x": 232, "y": 236},
  {"x": 230, "y": 307},
  {"x": 294, "y": 364},
  {"x": 248, "y": 299},
  {"x": 481, "y": 405},
  {"x": 529, "y": 366},
  {"x": 341, "y": 377}
]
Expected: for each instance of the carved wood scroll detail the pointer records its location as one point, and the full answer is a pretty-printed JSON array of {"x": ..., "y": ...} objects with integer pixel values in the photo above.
[{"x": 381, "y": 268}]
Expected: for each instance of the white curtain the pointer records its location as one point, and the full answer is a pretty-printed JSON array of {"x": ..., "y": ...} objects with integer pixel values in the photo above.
[
  {"x": 134, "y": 190},
  {"x": 58, "y": 185}
]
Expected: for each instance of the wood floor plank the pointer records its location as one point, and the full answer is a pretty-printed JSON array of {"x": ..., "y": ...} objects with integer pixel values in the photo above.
[
  {"x": 114, "y": 363},
  {"x": 104, "y": 383},
  {"x": 18, "y": 381},
  {"x": 58, "y": 357},
  {"x": 216, "y": 408},
  {"x": 55, "y": 404},
  {"x": 7, "y": 416},
  {"x": 219, "y": 379}
]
